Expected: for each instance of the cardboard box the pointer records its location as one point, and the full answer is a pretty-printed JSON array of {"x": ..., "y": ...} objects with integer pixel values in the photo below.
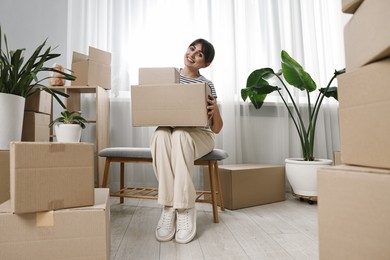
[
  {"x": 158, "y": 76},
  {"x": 353, "y": 213},
  {"x": 337, "y": 158},
  {"x": 170, "y": 105},
  {"x": 4, "y": 176},
  {"x": 47, "y": 176},
  {"x": 40, "y": 102},
  {"x": 78, "y": 233},
  {"x": 36, "y": 127},
  {"x": 364, "y": 106},
  {"x": 247, "y": 185},
  {"x": 93, "y": 69},
  {"x": 367, "y": 34},
  {"x": 350, "y": 6}
]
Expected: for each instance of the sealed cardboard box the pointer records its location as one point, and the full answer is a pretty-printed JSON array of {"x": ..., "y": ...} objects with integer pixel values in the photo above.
[
  {"x": 77, "y": 233},
  {"x": 170, "y": 105},
  {"x": 364, "y": 106},
  {"x": 353, "y": 213},
  {"x": 40, "y": 102},
  {"x": 350, "y": 6},
  {"x": 36, "y": 127},
  {"x": 247, "y": 185},
  {"x": 367, "y": 34},
  {"x": 4, "y": 176},
  {"x": 46, "y": 176},
  {"x": 93, "y": 69},
  {"x": 158, "y": 76}
]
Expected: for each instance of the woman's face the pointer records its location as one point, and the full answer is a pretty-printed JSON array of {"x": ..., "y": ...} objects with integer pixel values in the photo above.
[{"x": 194, "y": 57}]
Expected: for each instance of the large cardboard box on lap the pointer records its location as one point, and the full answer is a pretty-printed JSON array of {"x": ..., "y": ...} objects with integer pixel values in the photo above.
[
  {"x": 170, "y": 104},
  {"x": 93, "y": 69},
  {"x": 4, "y": 176},
  {"x": 364, "y": 109},
  {"x": 47, "y": 176},
  {"x": 77, "y": 233},
  {"x": 367, "y": 34},
  {"x": 353, "y": 213}
]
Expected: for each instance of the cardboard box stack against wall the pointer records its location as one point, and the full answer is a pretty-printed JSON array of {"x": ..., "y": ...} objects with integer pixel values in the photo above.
[
  {"x": 52, "y": 210},
  {"x": 354, "y": 198},
  {"x": 160, "y": 100}
]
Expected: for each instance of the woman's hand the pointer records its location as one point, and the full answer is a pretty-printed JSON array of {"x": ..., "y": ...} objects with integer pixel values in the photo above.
[{"x": 214, "y": 115}]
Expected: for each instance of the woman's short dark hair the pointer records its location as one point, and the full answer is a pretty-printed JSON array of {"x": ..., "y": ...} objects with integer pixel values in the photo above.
[{"x": 207, "y": 49}]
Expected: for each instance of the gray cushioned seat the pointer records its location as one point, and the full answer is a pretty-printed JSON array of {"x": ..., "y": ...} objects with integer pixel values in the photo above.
[{"x": 145, "y": 153}]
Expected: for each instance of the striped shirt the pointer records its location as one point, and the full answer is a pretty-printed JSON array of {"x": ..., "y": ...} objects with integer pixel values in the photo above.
[{"x": 200, "y": 79}]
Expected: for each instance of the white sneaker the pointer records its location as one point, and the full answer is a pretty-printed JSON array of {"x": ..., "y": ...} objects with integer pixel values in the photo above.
[
  {"x": 165, "y": 230},
  {"x": 185, "y": 225}
]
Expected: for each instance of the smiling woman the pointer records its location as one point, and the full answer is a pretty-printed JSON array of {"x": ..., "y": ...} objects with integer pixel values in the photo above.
[{"x": 246, "y": 34}]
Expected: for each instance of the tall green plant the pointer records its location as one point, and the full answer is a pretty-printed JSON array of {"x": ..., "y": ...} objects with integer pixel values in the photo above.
[
  {"x": 21, "y": 78},
  {"x": 258, "y": 87}
]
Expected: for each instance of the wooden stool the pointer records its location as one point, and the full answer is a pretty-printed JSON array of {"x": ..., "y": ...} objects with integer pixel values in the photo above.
[{"x": 143, "y": 155}]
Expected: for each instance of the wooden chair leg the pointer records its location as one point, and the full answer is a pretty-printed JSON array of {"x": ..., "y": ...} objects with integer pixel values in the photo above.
[
  {"x": 213, "y": 193},
  {"x": 122, "y": 180},
  {"x": 218, "y": 179},
  {"x": 106, "y": 172}
]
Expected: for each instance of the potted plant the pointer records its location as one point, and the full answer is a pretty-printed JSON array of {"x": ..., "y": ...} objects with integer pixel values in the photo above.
[
  {"x": 257, "y": 89},
  {"x": 18, "y": 80},
  {"x": 68, "y": 126}
]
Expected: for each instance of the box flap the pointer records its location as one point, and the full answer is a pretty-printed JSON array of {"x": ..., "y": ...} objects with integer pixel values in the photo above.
[
  {"x": 99, "y": 56},
  {"x": 362, "y": 169},
  {"x": 77, "y": 57}
]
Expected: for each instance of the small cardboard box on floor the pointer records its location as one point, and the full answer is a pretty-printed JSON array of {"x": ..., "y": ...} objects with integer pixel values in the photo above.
[
  {"x": 77, "y": 233},
  {"x": 46, "y": 176},
  {"x": 247, "y": 185},
  {"x": 353, "y": 213},
  {"x": 36, "y": 127},
  {"x": 367, "y": 34},
  {"x": 4, "y": 176},
  {"x": 364, "y": 109},
  {"x": 93, "y": 69},
  {"x": 170, "y": 104}
]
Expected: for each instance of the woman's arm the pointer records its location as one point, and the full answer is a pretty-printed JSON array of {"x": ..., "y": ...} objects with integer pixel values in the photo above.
[{"x": 214, "y": 114}]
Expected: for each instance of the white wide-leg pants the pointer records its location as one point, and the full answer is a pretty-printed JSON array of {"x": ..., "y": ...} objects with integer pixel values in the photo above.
[{"x": 174, "y": 151}]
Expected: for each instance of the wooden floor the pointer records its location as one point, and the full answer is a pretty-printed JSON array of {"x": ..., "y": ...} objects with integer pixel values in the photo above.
[{"x": 282, "y": 230}]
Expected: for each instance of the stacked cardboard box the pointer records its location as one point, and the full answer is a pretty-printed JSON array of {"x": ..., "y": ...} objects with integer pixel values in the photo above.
[
  {"x": 93, "y": 69},
  {"x": 159, "y": 100},
  {"x": 53, "y": 210},
  {"x": 354, "y": 198},
  {"x": 37, "y": 116}
]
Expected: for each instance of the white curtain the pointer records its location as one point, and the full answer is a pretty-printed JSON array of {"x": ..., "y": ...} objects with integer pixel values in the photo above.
[{"x": 246, "y": 34}]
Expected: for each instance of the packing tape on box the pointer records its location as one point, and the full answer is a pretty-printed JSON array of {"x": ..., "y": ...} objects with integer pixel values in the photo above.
[{"x": 45, "y": 219}]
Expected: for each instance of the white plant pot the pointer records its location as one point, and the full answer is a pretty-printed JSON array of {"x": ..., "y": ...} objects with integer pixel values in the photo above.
[
  {"x": 67, "y": 133},
  {"x": 11, "y": 119},
  {"x": 302, "y": 175}
]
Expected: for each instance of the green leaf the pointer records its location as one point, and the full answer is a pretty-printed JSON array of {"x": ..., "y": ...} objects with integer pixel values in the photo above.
[
  {"x": 259, "y": 77},
  {"x": 295, "y": 75}
]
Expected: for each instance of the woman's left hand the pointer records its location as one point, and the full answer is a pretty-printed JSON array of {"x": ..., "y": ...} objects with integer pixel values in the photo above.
[{"x": 214, "y": 114}]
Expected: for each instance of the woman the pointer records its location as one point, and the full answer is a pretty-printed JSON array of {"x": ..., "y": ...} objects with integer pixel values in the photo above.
[{"x": 175, "y": 149}]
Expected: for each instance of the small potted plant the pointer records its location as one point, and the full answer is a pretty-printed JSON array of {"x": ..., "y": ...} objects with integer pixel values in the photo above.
[
  {"x": 257, "y": 89},
  {"x": 68, "y": 126}
]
